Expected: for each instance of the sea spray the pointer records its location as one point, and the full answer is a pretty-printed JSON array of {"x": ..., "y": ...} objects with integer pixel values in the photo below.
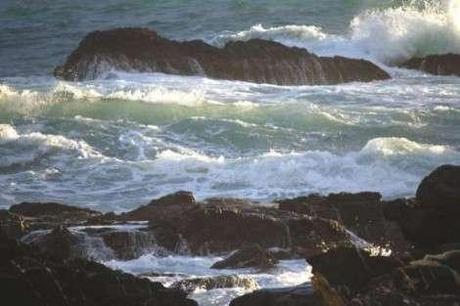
[{"x": 387, "y": 35}]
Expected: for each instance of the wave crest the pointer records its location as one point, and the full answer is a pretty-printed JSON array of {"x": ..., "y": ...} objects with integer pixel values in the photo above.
[{"x": 388, "y": 35}]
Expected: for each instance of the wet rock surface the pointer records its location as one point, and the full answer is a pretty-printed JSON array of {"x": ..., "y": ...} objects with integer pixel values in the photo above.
[
  {"x": 362, "y": 213},
  {"x": 222, "y": 226},
  {"x": 441, "y": 189},
  {"x": 445, "y": 64},
  {"x": 48, "y": 215},
  {"x": 28, "y": 278},
  {"x": 303, "y": 295},
  {"x": 259, "y": 61},
  {"x": 209, "y": 283},
  {"x": 12, "y": 225},
  {"x": 351, "y": 267},
  {"x": 249, "y": 257}
]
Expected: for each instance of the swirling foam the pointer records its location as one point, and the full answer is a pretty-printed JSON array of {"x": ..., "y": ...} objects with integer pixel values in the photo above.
[
  {"x": 20, "y": 149},
  {"x": 386, "y": 35}
]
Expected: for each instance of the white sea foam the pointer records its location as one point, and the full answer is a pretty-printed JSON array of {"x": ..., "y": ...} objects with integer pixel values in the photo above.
[
  {"x": 386, "y": 35},
  {"x": 21, "y": 148},
  {"x": 287, "y": 273}
]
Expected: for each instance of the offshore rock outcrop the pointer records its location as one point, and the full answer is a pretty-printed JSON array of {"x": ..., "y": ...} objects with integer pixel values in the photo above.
[
  {"x": 259, "y": 61},
  {"x": 444, "y": 64}
]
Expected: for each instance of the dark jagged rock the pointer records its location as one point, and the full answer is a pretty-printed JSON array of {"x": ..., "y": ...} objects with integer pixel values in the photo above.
[
  {"x": 260, "y": 61},
  {"x": 302, "y": 295},
  {"x": 128, "y": 245},
  {"x": 222, "y": 281},
  {"x": 249, "y": 257},
  {"x": 428, "y": 277},
  {"x": 221, "y": 227},
  {"x": 30, "y": 279},
  {"x": 428, "y": 282},
  {"x": 59, "y": 242},
  {"x": 166, "y": 205},
  {"x": 441, "y": 188},
  {"x": 99, "y": 243},
  {"x": 450, "y": 258},
  {"x": 351, "y": 267},
  {"x": 445, "y": 64},
  {"x": 362, "y": 213},
  {"x": 52, "y": 209},
  {"x": 12, "y": 225},
  {"x": 347, "y": 276},
  {"x": 430, "y": 220},
  {"x": 50, "y": 215}
]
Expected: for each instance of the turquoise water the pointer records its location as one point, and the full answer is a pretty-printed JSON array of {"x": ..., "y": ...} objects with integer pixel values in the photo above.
[{"x": 115, "y": 143}]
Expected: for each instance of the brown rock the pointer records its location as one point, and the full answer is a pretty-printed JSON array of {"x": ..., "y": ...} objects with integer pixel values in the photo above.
[
  {"x": 248, "y": 257},
  {"x": 362, "y": 213},
  {"x": 302, "y": 295},
  {"x": 259, "y": 61},
  {"x": 28, "y": 278},
  {"x": 445, "y": 64},
  {"x": 13, "y": 226},
  {"x": 441, "y": 188},
  {"x": 224, "y": 226},
  {"x": 351, "y": 267},
  {"x": 222, "y": 281}
]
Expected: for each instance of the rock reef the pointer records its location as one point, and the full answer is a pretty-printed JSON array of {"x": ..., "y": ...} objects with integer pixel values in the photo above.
[{"x": 256, "y": 60}]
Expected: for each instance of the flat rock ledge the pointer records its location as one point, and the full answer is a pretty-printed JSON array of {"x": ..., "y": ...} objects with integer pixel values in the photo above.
[{"x": 256, "y": 60}]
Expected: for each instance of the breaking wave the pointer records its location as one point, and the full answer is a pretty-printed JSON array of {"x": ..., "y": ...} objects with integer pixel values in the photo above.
[{"x": 387, "y": 35}]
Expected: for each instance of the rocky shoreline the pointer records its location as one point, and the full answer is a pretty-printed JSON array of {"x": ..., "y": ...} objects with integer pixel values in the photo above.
[{"x": 363, "y": 250}]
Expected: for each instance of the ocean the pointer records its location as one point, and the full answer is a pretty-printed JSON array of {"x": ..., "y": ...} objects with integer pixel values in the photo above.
[{"x": 117, "y": 142}]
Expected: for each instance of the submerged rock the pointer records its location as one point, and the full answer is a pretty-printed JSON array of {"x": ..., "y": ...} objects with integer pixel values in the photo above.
[
  {"x": 249, "y": 257},
  {"x": 28, "y": 278},
  {"x": 256, "y": 60},
  {"x": 444, "y": 64},
  {"x": 222, "y": 281}
]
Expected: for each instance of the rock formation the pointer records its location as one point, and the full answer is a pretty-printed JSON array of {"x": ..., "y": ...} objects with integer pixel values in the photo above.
[
  {"x": 259, "y": 61},
  {"x": 444, "y": 64}
]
